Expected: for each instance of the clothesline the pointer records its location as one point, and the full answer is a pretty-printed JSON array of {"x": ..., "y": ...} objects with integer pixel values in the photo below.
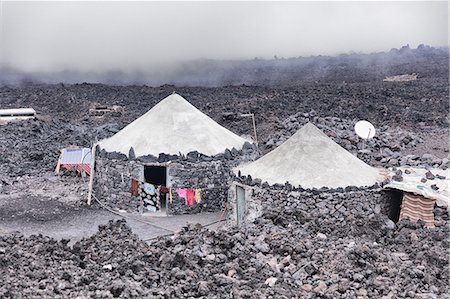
[
  {"x": 150, "y": 193},
  {"x": 162, "y": 186},
  {"x": 191, "y": 196}
]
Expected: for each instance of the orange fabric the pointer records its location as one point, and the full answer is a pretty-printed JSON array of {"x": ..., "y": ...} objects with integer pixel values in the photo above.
[
  {"x": 415, "y": 207},
  {"x": 198, "y": 197}
]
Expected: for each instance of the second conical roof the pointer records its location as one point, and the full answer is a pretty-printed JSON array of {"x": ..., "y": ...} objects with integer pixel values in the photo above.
[{"x": 312, "y": 160}]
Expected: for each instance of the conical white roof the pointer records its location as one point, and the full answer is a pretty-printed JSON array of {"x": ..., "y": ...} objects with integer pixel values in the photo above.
[
  {"x": 312, "y": 160},
  {"x": 173, "y": 126}
]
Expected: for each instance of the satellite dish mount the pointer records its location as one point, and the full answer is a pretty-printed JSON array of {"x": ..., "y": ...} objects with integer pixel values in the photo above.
[{"x": 364, "y": 130}]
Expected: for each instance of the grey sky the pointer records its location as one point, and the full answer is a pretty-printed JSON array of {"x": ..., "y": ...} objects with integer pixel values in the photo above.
[{"x": 85, "y": 36}]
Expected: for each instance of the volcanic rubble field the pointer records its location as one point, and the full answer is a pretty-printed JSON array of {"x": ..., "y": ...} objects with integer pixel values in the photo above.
[
  {"x": 411, "y": 118},
  {"x": 284, "y": 254}
]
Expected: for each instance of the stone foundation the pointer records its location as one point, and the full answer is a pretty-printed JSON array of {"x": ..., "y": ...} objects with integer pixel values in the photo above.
[
  {"x": 213, "y": 175},
  {"x": 326, "y": 206},
  {"x": 331, "y": 204}
]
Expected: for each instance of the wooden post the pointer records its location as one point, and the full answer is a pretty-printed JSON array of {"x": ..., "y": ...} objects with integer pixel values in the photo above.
[
  {"x": 254, "y": 129},
  {"x": 59, "y": 163},
  {"x": 91, "y": 178}
]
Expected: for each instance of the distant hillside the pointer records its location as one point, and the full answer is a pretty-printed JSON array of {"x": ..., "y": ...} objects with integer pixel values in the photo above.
[{"x": 426, "y": 61}]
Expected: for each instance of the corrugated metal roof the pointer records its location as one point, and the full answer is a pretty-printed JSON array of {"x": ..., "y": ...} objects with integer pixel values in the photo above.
[{"x": 412, "y": 182}]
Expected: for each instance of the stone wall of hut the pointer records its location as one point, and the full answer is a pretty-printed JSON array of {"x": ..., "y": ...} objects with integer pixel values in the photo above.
[
  {"x": 357, "y": 206},
  {"x": 211, "y": 175},
  {"x": 330, "y": 205}
]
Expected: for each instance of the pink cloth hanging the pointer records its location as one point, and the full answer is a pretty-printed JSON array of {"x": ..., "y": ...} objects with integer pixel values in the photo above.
[{"x": 183, "y": 194}]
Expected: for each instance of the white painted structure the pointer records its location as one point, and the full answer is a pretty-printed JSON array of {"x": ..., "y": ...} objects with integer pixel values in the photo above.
[
  {"x": 17, "y": 114},
  {"x": 173, "y": 126},
  {"x": 311, "y": 159}
]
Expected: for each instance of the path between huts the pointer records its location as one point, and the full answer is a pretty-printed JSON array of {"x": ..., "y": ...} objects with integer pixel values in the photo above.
[{"x": 55, "y": 207}]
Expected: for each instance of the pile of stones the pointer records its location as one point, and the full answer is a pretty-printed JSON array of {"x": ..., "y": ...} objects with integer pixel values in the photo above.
[{"x": 285, "y": 253}]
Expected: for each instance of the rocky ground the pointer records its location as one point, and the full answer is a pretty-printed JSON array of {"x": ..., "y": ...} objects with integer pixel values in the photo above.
[
  {"x": 285, "y": 253},
  {"x": 286, "y": 256}
]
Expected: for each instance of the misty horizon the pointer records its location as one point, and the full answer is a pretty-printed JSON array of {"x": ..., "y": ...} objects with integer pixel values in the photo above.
[
  {"x": 133, "y": 37},
  {"x": 274, "y": 71},
  {"x": 237, "y": 60}
]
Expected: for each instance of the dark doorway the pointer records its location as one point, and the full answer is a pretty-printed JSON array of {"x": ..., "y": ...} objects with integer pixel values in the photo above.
[
  {"x": 157, "y": 175},
  {"x": 395, "y": 202}
]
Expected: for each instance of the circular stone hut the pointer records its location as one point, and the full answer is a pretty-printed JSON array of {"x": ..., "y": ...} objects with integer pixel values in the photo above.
[
  {"x": 173, "y": 159},
  {"x": 311, "y": 162}
]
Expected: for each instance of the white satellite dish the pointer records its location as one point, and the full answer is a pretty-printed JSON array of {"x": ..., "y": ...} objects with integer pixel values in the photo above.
[{"x": 364, "y": 129}]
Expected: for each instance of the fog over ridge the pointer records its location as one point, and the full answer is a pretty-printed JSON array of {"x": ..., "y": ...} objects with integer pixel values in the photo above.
[{"x": 152, "y": 37}]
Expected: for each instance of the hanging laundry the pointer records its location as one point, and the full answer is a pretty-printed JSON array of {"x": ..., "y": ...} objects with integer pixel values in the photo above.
[
  {"x": 149, "y": 201},
  {"x": 198, "y": 197},
  {"x": 183, "y": 194},
  {"x": 134, "y": 187},
  {"x": 190, "y": 198},
  {"x": 152, "y": 208},
  {"x": 149, "y": 188}
]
